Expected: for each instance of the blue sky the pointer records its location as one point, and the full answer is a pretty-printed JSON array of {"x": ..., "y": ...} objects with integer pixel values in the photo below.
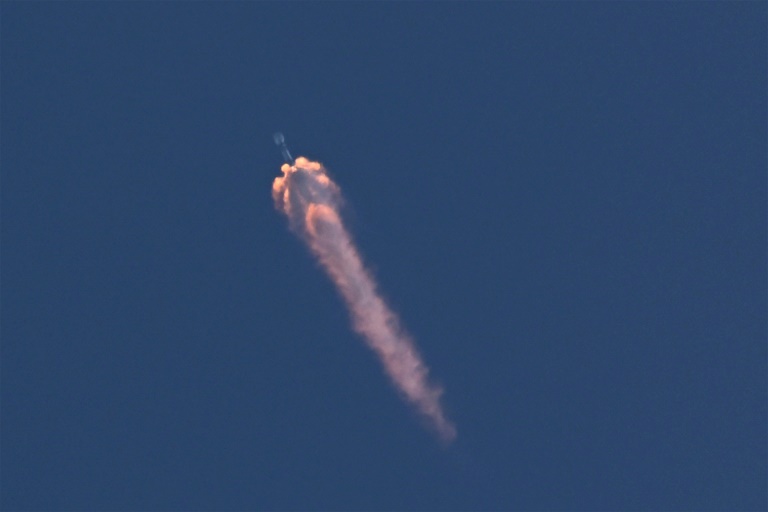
[{"x": 565, "y": 204}]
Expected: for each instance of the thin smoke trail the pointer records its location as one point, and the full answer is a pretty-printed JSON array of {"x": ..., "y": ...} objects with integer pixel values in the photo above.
[{"x": 311, "y": 200}]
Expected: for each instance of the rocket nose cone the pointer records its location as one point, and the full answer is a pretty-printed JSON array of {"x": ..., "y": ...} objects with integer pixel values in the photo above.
[{"x": 279, "y": 139}]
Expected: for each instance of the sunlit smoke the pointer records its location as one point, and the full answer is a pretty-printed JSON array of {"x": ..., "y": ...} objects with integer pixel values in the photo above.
[{"x": 311, "y": 202}]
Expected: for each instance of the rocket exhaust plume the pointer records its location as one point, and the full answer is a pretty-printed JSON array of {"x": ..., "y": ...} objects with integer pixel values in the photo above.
[{"x": 310, "y": 200}]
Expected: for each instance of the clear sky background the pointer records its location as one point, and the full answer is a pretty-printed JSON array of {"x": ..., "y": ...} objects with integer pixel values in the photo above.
[{"x": 566, "y": 204}]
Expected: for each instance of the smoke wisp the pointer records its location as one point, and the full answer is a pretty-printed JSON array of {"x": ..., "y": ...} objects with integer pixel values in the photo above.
[{"x": 310, "y": 200}]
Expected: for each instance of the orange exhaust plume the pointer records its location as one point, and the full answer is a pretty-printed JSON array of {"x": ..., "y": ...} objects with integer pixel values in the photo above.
[{"x": 311, "y": 200}]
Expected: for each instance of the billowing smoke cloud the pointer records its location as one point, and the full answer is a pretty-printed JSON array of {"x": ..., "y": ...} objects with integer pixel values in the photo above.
[{"x": 311, "y": 201}]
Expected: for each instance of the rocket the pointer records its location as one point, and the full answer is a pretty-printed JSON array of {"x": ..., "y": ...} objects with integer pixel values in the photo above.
[{"x": 280, "y": 142}]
